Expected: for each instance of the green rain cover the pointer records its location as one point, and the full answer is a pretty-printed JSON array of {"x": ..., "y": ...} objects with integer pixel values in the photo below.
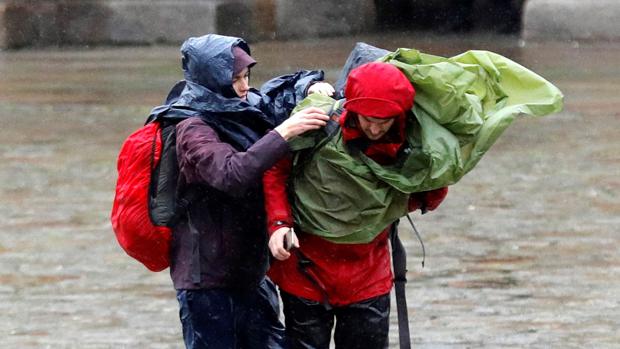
[{"x": 462, "y": 105}]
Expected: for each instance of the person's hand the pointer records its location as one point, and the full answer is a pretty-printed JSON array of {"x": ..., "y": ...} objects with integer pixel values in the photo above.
[
  {"x": 304, "y": 120},
  {"x": 322, "y": 88},
  {"x": 427, "y": 200},
  {"x": 276, "y": 243},
  {"x": 415, "y": 202}
]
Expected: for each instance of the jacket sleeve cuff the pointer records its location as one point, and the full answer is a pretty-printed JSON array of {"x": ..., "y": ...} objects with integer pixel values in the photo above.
[{"x": 277, "y": 224}]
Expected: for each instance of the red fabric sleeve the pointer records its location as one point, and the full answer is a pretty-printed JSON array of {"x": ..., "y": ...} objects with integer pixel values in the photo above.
[
  {"x": 276, "y": 195},
  {"x": 433, "y": 198},
  {"x": 415, "y": 201},
  {"x": 427, "y": 200}
]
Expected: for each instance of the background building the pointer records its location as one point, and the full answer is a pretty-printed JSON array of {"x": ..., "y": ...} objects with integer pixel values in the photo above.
[{"x": 70, "y": 22}]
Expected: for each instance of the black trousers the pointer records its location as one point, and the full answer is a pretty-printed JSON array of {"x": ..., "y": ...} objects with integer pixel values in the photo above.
[{"x": 363, "y": 325}]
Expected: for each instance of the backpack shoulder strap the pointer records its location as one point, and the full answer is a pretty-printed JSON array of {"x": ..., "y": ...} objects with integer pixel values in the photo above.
[
  {"x": 332, "y": 126},
  {"x": 399, "y": 261},
  {"x": 182, "y": 204},
  {"x": 328, "y": 132}
]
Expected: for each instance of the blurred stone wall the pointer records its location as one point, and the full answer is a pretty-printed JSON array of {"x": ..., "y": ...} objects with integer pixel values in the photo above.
[
  {"x": 578, "y": 20},
  {"x": 67, "y": 22},
  {"x": 2, "y": 26},
  {"x": 83, "y": 22},
  {"x": 42, "y": 23},
  {"x": 303, "y": 18},
  {"x": 460, "y": 16}
]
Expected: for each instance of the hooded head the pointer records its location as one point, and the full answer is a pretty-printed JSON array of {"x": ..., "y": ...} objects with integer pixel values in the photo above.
[
  {"x": 211, "y": 61},
  {"x": 242, "y": 59},
  {"x": 241, "y": 72},
  {"x": 378, "y": 90},
  {"x": 378, "y": 97}
]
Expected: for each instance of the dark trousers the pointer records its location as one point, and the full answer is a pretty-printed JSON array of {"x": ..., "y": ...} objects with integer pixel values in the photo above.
[
  {"x": 363, "y": 325},
  {"x": 223, "y": 319}
]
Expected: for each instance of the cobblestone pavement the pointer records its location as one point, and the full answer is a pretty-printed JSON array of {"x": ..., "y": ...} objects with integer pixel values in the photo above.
[{"x": 524, "y": 253}]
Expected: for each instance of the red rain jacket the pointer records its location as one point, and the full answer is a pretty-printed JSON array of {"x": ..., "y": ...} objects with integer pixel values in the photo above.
[{"x": 348, "y": 273}]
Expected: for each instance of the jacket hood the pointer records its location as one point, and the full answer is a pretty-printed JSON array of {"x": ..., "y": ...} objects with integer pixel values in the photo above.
[
  {"x": 378, "y": 89},
  {"x": 207, "y": 92},
  {"x": 209, "y": 61},
  {"x": 362, "y": 53}
]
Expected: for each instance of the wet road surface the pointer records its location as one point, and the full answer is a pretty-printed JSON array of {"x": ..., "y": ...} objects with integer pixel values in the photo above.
[{"x": 524, "y": 253}]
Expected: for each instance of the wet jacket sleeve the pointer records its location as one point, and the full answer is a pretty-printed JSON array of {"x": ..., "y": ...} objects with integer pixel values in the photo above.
[
  {"x": 427, "y": 200},
  {"x": 277, "y": 204},
  {"x": 204, "y": 159},
  {"x": 281, "y": 94}
]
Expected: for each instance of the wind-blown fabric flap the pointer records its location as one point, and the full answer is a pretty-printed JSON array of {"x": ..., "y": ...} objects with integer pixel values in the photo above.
[
  {"x": 463, "y": 104},
  {"x": 469, "y": 100}
]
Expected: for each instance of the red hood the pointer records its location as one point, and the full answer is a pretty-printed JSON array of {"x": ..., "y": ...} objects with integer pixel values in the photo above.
[{"x": 377, "y": 90}]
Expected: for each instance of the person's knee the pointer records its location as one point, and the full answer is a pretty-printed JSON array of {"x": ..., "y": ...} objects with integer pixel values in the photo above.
[
  {"x": 207, "y": 319},
  {"x": 259, "y": 318},
  {"x": 308, "y": 323},
  {"x": 364, "y": 324}
]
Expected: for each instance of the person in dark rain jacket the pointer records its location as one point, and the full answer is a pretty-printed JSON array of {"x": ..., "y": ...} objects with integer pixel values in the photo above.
[{"x": 219, "y": 251}]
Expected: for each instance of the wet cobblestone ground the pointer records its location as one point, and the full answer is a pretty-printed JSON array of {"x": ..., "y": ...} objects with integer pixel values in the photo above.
[{"x": 524, "y": 253}]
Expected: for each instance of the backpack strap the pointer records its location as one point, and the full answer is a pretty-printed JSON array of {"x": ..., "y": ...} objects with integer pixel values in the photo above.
[
  {"x": 399, "y": 261},
  {"x": 303, "y": 265},
  {"x": 337, "y": 108},
  {"x": 182, "y": 205},
  {"x": 332, "y": 127},
  {"x": 181, "y": 210},
  {"x": 329, "y": 130}
]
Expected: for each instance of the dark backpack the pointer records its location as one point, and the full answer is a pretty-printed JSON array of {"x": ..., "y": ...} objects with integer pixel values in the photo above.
[{"x": 146, "y": 205}]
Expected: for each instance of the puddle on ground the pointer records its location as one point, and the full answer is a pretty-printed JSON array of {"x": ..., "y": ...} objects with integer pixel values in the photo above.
[{"x": 523, "y": 253}]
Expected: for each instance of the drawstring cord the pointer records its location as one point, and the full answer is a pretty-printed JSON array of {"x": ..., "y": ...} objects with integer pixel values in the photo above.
[{"x": 415, "y": 230}]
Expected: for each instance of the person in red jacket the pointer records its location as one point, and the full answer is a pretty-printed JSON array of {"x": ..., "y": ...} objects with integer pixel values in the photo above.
[{"x": 322, "y": 282}]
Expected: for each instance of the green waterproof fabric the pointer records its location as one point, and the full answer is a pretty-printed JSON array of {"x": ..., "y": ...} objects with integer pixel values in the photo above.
[{"x": 462, "y": 105}]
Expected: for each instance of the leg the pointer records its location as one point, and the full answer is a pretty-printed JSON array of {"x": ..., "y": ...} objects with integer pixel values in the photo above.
[
  {"x": 258, "y": 320},
  {"x": 308, "y": 323},
  {"x": 363, "y": 325},
  {"x": 207, "y": 319}
]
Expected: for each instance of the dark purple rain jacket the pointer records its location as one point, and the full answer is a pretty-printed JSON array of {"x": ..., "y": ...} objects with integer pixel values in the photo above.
[
  {"x": 223, "y": 147},
  {"x": 228, "y": 223}
]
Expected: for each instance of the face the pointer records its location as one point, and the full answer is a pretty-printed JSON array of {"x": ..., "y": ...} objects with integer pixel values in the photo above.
[
  {"x": 374, "y": 128},
  {"x": 241, "y": 83}
]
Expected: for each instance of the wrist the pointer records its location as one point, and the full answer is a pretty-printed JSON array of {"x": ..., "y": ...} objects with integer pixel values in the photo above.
[
  {"x": 283, "y": 131},
  {"x": 279, "y": 224},
  {"x": 307, "y": 90}
]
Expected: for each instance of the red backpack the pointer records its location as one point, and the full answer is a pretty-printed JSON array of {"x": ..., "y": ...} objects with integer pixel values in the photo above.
[
  {"x": 146, "y": 205},
  {"x": 143, "y": 236}
]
